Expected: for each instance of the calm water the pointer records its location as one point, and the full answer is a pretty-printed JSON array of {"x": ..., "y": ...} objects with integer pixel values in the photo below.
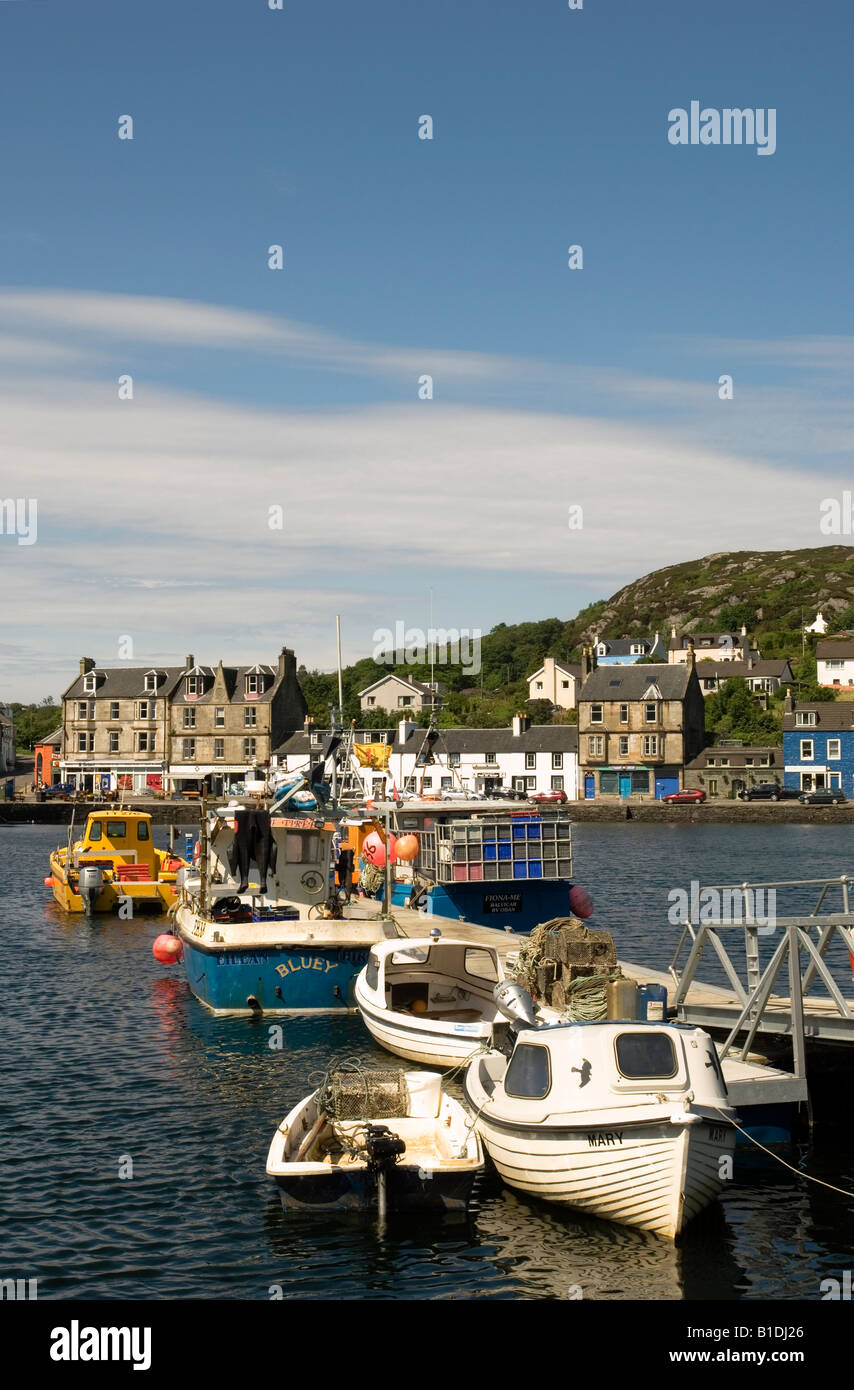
[{"x": 105, "y": 1055}]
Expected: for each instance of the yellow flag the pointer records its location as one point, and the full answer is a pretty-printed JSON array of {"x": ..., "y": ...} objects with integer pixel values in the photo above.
[{"x": 375, "y": 755}]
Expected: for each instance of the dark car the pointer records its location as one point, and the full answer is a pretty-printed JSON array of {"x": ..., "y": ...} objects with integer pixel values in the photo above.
[
  {"x": 687, "y": 795},
  {"x": 769, "y": 791},
  {"x": 826, "y": 796}
]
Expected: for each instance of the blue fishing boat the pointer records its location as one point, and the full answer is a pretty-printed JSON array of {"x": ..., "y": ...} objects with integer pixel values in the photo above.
[
  {"x": 259, "y": 931},
  {"x": 488, "y": 862}
]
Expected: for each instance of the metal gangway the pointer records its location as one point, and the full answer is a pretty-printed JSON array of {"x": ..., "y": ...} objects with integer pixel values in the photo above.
[{"x": 753, "y": 1005}]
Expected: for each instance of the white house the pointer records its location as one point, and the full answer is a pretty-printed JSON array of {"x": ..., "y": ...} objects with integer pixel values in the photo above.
[
  {"x": 835, "y": 663},
  {"x": 392, "y": 692},
  {"x": 555, "y": 681},
  {"x": 539, "y": 757},
  {"x": 720, "y": 646},
  {"x": 819, "y": 625},
  {"x": 7, "y": 741}
]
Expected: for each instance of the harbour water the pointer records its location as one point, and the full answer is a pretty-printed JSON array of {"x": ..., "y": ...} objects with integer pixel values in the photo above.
[{"x": 111, "y": 1067}]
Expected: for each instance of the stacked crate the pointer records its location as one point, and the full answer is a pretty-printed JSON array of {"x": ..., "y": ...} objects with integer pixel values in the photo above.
[{"x": 570, "y": 950}]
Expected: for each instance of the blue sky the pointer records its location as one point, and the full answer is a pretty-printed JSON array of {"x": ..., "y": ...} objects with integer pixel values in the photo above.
[{"x": 552, "y": 387}]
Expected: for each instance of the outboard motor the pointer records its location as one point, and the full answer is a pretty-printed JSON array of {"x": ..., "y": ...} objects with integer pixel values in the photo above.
[
  {"x": 515, "y": 1003},
  {"x": 90, "y": 880}
]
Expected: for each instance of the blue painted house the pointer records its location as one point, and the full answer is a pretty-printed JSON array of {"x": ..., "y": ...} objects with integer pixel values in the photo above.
[
  {"x": 625, "y": 651},
  {"x": 818, "y": 745}
]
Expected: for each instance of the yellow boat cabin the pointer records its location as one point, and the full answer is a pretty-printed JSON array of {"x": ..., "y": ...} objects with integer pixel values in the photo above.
[{"x": 116, "y": 862}]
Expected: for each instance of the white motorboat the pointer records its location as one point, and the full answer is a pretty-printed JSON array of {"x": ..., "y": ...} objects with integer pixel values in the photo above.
[
  {"x": 383, "y": 1139},
  {"x": 430, "y": 999},
  {"x": 626, "y": 1121}
]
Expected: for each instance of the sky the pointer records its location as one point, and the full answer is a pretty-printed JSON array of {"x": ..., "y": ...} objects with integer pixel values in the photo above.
[{"x": 276, "y": 464}]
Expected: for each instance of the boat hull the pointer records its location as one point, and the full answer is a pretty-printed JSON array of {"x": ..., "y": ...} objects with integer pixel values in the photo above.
[
  {"x": 155, "y": 896},
  {"x": 280, "y": 980},
  {"x": 438, "y": 1047},
  {"x": 656, "y": 1176},
  {"x": 517, "y": 904},
  {"x": 409, "y": 1189}
]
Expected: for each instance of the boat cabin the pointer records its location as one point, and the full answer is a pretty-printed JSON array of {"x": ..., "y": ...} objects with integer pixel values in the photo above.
[
  {"x": 115, "y": 838},
  {"x": 444, "y": 979},
  {"x": 568, "y": 1068}
]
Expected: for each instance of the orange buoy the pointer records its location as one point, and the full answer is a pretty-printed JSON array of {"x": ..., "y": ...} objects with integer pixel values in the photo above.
[
  {"x": 167, "y": 948},
  {"x": 407, "y": 847},
  {"x": 48, "y": 883}
]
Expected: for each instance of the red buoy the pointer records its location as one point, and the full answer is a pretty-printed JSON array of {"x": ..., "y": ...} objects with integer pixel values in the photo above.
[
  {"x": 580, "y": 901},
  {"x": 167, "y": 948},
  {"x": 48, "y": 883}
]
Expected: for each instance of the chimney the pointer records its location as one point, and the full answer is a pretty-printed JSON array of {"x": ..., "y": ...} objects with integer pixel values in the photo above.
[
  {"x": 405, "y": 730},
  {"x": 308, "y": 725},
  {"x": 189, "y": 662},
  {"x": 788, "y": 703},
  {"x": 587, "y": 662},
  {"x": 673, "y": 632},
  {"x": 87, "y": 664},
  {"x": 750, "y": 663},
  {"x": 691, "y": 659},
  {"x": 743, "y": 630},
  {"x": 521, "y": 724}
]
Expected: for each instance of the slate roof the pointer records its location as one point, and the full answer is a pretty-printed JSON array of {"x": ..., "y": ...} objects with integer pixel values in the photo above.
[
  {"x": 737, "y": 756},
  {"x": 407, "y": 681},
  {"x": 124, "y": 683},
  {"x": 728, "y": 669},
  {"x": 631, "y": 682},
  {"x": 834, "y": 651},
  {"x": 622, "y": 646},
  {"x": 833, "y": 716},
  {"x": 539, "y": 738},
  {"x": 55, "y": 738},
  {"x": 568, "y": 668},
  {"x": 705, "y": 640}
]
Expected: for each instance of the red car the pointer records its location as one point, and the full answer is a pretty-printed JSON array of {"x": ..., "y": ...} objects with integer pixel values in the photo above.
[
  {"x": 688, "y": 794},
  {"x": 547, "y": 796}
]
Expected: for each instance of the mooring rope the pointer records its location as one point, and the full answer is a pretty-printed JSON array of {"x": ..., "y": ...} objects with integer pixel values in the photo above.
[{"x": 792, "y": 1169}]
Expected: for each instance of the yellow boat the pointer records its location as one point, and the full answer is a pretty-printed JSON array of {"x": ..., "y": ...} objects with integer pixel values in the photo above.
[{"x": 116, "y": 862}]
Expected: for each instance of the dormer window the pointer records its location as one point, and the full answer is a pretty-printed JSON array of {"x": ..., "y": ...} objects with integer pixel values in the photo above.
[
  {"x": 195, "y": 687},
  {"x": 805, "y": 718},
  {"x": 89, "y": 683},
  {"x": 601, "y": 650},
  {"x": 254, "y": 684},
  {"x": 151, "y": 682}
]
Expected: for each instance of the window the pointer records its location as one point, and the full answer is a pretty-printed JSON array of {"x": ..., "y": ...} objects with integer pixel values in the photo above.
[
  {"x": 557, "y": 760},
  {"x": 114, "y": 709},
  {"x": 529, "y": 1072},
  {"x": 481, "y": 963},
  {"x": 83, "y": 709},
  {"x": 564, "y": 685},
  {"x": 807, "y": 750},
  {"x": 710, "y": 762},
  {"x": 254, "y": 684},
  {"x": 805, "y": 718},
  {"x": 82, "y": 743},
  {"x": 557, "y": 784},
  {"x": 189, "y": 750},
  {"x": 249, "y": 748},
  {"x": 609, "y": 783},
  {"x": 372, "y": 971},
  {"x": 765, "y": 761},
  {"x": 114, "y": 741},
  {"x": 640, "y": 782},
  {"x": 830, "y": 662},
  {"x": 490, "y": 758},
  {"x": 95, "y": 830},
  {"x": 89, "y": 684},
  {"x": 219, "y": 717},
  {"x": 595, "y": 714},
  {"x": 427, "y": 783},
  {"x": 596, "y": 745},
  {"x": 624, "y": 714},
  {"x": 404, "y": 700},
  {"x": 145, "y": 742},
  {"x": 446, "y": 783},
  {"x": 645, "y": 1055},
  {"x": 723, "y": 762},
  {"x": 195, "y": 685},
  {"x": 530, "y": 760},
  {"x": 142, "y": 710},
  {"x": 453, "y": 760},
  {"x": 650, "y": 745},
  {"x": 651, "y": 713},
  {"x": 530, "y": 783},
  {"x": 117, "y": 829},
  {"x": 834, "y": 746},
  {"x": 151, "y": 681},
  {"x": 142, "y": 830},
  {"x": 624, "y": 746},
  {"x": 539, "y": 685},
  {"x": 370, "y": 700},
  {"x": 250, "y": 717},
  {"x": 710, "y": 683},
  {"x": 219, "y": 748},
  {"x": 638, "y": 648},
  {"x": 189, "y": 719},
  {"x": 748, "y": 762}
]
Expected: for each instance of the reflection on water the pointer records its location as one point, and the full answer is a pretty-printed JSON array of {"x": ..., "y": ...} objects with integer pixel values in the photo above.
[{"x": 108, "y": 1055}]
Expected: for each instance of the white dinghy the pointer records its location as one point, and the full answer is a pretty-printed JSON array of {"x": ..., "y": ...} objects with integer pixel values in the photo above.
[
  {"x": 430, "y": 999},
  {"x": 382, "y": 1140},
  {"x": 626, "y": 1121}
]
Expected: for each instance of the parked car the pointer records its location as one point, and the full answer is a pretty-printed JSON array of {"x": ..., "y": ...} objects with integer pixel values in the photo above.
[
  {"x": 769, "y": 791},
  {"x": 826, "y": 796},
  {"x": 460, "y": 794},
  {"x": 689, "y": 795},
  {"x": 509, "y": 794},
  {"x": 559, "y": 797}
]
